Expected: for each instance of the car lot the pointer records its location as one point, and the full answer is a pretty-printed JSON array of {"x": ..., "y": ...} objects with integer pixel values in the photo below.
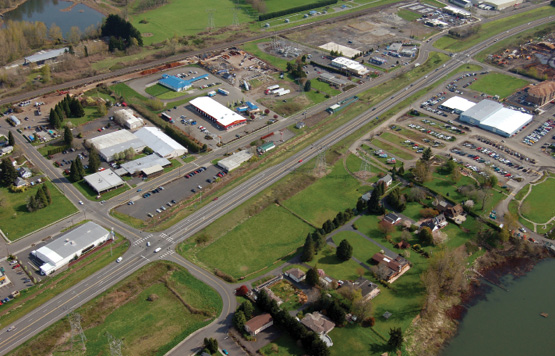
[
  {"x": 159, "y": 199},
  {"x": 18, "y": 279}
]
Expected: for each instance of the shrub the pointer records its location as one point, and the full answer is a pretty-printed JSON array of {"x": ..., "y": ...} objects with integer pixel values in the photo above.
[{"x": 226, "y": 277}]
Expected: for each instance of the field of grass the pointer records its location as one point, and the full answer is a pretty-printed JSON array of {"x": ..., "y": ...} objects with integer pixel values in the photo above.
[
  {"x": 16, "y": 221},
  {"x": 333, "y": 266},
  {"x": 125, "y": 91},
  {"x": 493, "y": 28},
  {"x": 256, "y": 243},
  {"x": 146, "y": 327},
  {"x": 329, "y": 195},
  {"x": 157, "y": 90},
  {"x": 391, "y": 149},
  {"x": 91, "y": 114},
  {"x": 252, "y": 48},
  {"x": 408, "y": 15},
  {"x": 324, "y": 88},
  {"x": 356, "y": 340},
  {"x": 498, "y": 84},
  {"x": 363, "y": 249},
  {"x": 278, "y": 5},
  {"x": 286, "y": 347},
  {"x": 354, "y": 165},
  {"x": 538, "y": 205},
  {"x": 50, "y": 287},
  {"x": 184, "y": 18}
]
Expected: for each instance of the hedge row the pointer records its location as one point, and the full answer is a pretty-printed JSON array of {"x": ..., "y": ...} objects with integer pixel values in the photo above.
[
  {"x": 293, "y": 10},
  {"x": 59, "y": 149}
]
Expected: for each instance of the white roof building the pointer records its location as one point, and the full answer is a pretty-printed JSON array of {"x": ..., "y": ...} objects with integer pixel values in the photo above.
[
  {"x": 502, "y": 4},
  {"x": 115, "y": 142},
  {"x": 137, "y": 165},
  {"x": 125, "y": 117},
  {"x": 42, "y": 56},
  {"x": 104, "y": 180},
  {"x": 223, "y": 117},
  {"x": 455, "y": 11},
  {"x": 492, "y": 116},
  {"x": 457, "y": 104},
  {"x": 350, "y": 65},
  {"x": 62, "y": 250},
  {"x": 162, "y": 144},
  {"x": 235, "y": 160}
]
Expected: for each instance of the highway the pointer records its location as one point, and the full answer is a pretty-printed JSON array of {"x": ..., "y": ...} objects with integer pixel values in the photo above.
[{"x": 138, "y": 255}]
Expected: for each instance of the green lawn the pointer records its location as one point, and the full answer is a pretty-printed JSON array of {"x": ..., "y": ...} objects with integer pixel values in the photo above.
[
  {"x": 354, "y": 165},
  {"x": 146, "y": 327},
  {"x": 256, "y": 243},
  {"x": 91, "y": 114},
  {"x": 498, "y": 84},
  {"x": 50, "y": 287},
  {"x": 16, "y": 221},
  {"x": 185, "y": 18},
  {"x": 356, "y": 340},
  {"x": 538, "y": 205},
  {"x": 278, "y": 5},
  {"x": 408, "y": 15},
  {"x": 363, "y": 249},
  {"x": 286, "y": 347},
  {"x": 157, "y": 90},
  {"x": 391, "y": 149},
  {"x": 329, "y": 195},
  {"x": 324, "y": 87},
  {"x": 493, "y": 28},
  {"x": 125, "y": 91},
  {"x": 333, "y": 266}
]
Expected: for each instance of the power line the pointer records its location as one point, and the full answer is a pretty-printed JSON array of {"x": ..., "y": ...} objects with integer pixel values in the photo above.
[
  {"x": 115, "y": 345},
  {"x": 235, "y": 22},
  {"x": 76, "y": 330},
  {"x": 211, "y": 23},
  {"x": 320, "y": 166}
]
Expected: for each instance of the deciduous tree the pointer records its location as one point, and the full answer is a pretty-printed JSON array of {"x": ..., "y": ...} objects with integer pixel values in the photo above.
[{"x": 395, "y": 338}]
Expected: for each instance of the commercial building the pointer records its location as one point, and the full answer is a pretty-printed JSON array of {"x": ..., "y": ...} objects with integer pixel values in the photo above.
[
  {"x": 259, "y": 323},
  {"x": 541, "y": 93},
  {"x": 115, "y": 142},
  {"x": 502, "y": 4},
  {"x": 14, "y": 120},
  {"x": 462, "y": 3},
  {"x": 349, "y": 65},
  {"x": 332, "y": 79},
  {"x": 456, "y": 105},
  {"x": 136, "y": 166},
  {"x": 159, "y": 142},
  {"x": 223, "y": 117},
  {"x": 455, "y": 11},
  {"x": 492, "y": 116},
  {"x": 177, "y": 84},
  {"x": 43, "y": 56},
  {"x": 69, "y": 246},
  {"x": 265, "y": 147},
  {"x": 126, "y": 118},
  {"x": 435, "y": 23},
  {"x": 235, "y": 160},
  {"x": 104, "y": 181}
]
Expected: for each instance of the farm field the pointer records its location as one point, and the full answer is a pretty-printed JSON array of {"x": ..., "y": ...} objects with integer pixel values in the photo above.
[
  {"x": 16, "y": 221},
  {"x": 498, "y": 84},
  {"x": 278, "y": 5},
  {"x": 538, "y": 205},
  {"x": 142, "y": 310}
]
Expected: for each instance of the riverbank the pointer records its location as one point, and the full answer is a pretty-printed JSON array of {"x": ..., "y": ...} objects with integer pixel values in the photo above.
[
  {"x": 104, "y": 8},
  {"x": 430, "y": 334},
  {"x": 8, "y": 9}
]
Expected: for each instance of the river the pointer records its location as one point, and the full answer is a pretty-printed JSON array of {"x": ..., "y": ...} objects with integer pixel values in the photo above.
[
  {"x": 49, "y": 12},
  {"x": 509, "y": 323}
]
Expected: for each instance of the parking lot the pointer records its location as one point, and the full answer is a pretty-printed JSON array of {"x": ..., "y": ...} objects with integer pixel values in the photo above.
[
  {"x": 18, "y": 279},
  {"x": 162, "y": 199}
]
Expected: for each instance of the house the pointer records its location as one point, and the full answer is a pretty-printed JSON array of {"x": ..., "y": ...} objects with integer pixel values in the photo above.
[
  {"x": 318, "y": 323},
  {"x": 392, "y": 218},
  {"x": 368, "y": 290},
  {"x": 435, "y": 223},
  {"x": 387, "y": 180},
  {"x": 403, "y": 245},
  {"x": 20, "y": 182},
  {"x": 295, "y": 274},
  {"x": 453, "y": 211},
  {"x": 6, "y": 150},
  {"x": 25, "y": 172},
  {"x": 259, "y": 323},
  {"x": 390, "y": 268}
]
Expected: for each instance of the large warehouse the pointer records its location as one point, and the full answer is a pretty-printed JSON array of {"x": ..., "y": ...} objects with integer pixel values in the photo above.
[
  {"x": 350, "y": 66},
  {"x": 502, "y": 4},
  {"x": 235, "y": 160},
  {"x": 115, "y": 142},
  {"x": 162, "y": 144},
  {"x": 73, "y": 244},
  {"x": 492, "y": 116},
  {"x": 104, "y": 181},
  {"x": 223, "y": 117},
  {"x": 177, "y": 84},
  {"x": 456, "y": 105}
]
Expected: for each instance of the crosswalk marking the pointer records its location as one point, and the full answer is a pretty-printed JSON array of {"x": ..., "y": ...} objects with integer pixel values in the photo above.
[{"x": 140, "y": 241}]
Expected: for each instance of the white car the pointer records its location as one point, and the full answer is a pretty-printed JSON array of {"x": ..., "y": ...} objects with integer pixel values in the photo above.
[
  {"x": 119, "y": 259},
  {"x": 80, "y": 202}
]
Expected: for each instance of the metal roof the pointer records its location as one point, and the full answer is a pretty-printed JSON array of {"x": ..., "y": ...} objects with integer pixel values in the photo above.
[
  {"x": 482, "y": 110},
  {"x": 235, "y": 160},
  {"x": 458, "y": 103},
  {"x": 104, "y": 180},
  {"x": 223, "y": 116},
  {"x": 143, "y": 163},
  {"x": 45, "y": 55},
  {"x": 160, "y": 143}
]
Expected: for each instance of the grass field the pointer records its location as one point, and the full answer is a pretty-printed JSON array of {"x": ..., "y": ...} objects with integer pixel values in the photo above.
[
  {"x": 252, "y": 48},
  {"x": 392, "y": 149},
  {"x": 256, "y": 243},
  {"x": 498, "y": 84},
  {"x": 16, "y": 221},
  {"x": 157, "y": 90},
  {"x": 333, "y": 266},
  {"x": 39, "y": 294},
  {"x": 286, "y": 347},
  {"x": 146, "y": 327},
  {"x": 408, "y": 15},
  {"x": 538, "y": 205},
  {"x": 493, "y": 28},
  {"x": 363, "y": 249},
  {"x": 278, "y": 5}
]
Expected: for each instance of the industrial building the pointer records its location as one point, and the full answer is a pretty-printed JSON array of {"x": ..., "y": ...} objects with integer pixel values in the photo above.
[
  {"x": 502, "y": 4},
  {"x": 223, "y": 117},
  {"x": 350, "y": 66},
  {"x": 126, "y": 118},
  {"x": 492, "y": 116},
  {"x": 541, "y": 93},
  {"x": 332, "y": 79},
  {"x": 159, "y": 142},
  {"x": 462, "y": 3},
  {"x": 235, "y": 160},
  {"x": 456, "y": 105},
  {"x": 177, "y": 84},
  {"x": 43, "y": 56},
  {"x": 104, "y": 181},
  {"x": 115, "y": 142},
  {"x": 266, "y": 147},
  {"x": 455, "y": 11},
  {"x": 61, "y": 251},
  {"x": 138, "y": 165}
]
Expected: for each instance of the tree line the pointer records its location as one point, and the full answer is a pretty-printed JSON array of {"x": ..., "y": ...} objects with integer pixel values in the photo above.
[
  {"x": 293, "y": 10},
  {"x": 121, "y": 32},
  {"x": 69, "y": 107}
]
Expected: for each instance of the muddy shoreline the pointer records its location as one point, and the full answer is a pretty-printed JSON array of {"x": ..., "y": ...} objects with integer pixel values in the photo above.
[{"x": 105, "y": 9}]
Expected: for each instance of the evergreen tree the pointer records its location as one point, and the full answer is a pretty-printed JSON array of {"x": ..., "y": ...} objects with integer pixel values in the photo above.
[
  {"x": 60, "y": 113},
  {"x": 336, "y": 313},
  {"x": 307, "y": 85},
  {"x": 66, "y": 107},
  {"x": 9, "y": 174},
  {"x": 380, "y": 188},
  {"x": 11, "y": 139},
  {"x": 47, "y": 193},
  {"x": 361, "y": 205},
  {"x": 94, "y": 161},
  {"x": 395, "y": 338},
  {"x": 312, "y": 277},
  {"x": 239, "y": 320},
  {"x": 263, "y": 301},
  {"x": 68, "y": 136},
  {"x": 427, "y": 154},
  {"x": 247, "y": 308},
  {"x": 319, "y": 240},
  {"x": 80, "y": 168},
  {"x": 401, "y": 170},
  {"x": 308, "y": 250},
  {"x": 76, "y": 108},
  {"x": 425, "y": 236},
  {"x": 31, "y": 204},
  {"x": 374, "y": 205},
  {"x": 344, "y": 251},
  {"x": 41, "y": 199},
  {"x": 74, "y": 172}
]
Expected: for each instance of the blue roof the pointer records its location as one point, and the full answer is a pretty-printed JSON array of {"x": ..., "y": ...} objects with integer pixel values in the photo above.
[
  {"x": 178, "y": 84},
  {"x": 251, "y": 105}
]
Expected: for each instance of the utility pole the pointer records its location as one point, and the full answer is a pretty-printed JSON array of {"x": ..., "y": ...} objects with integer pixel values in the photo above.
[{"x": 76, "y": 330}]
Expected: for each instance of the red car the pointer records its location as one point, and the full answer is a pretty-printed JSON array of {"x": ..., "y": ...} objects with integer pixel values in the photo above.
[
  {"x": 216, "y": 198},
  {"x": 300, "y": 161},
  {"x": 17, "y": 265}
]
